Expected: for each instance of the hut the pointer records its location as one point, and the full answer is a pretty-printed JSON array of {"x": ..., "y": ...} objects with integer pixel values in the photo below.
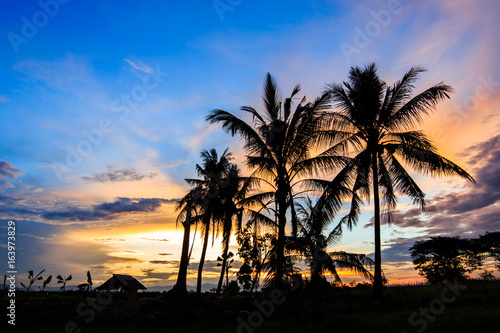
[{"x": 121, "y": 282}]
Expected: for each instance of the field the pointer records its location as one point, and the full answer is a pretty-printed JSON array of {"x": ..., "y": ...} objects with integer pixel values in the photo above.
[{"x": 470, "y": 307}]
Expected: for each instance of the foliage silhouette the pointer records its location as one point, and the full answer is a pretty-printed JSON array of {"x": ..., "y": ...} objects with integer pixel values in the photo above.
[
  {"x": 312, "y": 245},
  {"x": 32, "y": 279},
  {"x": 445, "y": 258}
]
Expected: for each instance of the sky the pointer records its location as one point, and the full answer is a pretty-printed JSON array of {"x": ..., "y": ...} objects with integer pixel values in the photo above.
[{"x": 103, "y": 108}]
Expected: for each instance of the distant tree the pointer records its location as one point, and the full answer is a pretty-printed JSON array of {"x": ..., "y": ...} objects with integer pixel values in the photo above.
[
  {"x": 445, "y": 258},
  {"x": 490, "y": 244}
]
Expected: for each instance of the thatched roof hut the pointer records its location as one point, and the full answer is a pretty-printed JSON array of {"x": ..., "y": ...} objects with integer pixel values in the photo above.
[{"x": 122, "y": 282}]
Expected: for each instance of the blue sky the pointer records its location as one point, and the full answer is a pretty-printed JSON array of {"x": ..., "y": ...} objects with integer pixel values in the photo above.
[{"x": 130, "y": 83}]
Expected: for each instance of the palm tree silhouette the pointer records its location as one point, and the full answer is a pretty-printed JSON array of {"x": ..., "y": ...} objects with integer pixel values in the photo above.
[
  {"x": 214, "y": 171},
  {"x": 234, "y": 205},
  {"x": 376, "y": 121},
  {"x": 279, "y": 141},
  {"x": 186, "y": 207},
  {"x": 312, "y": 244}
]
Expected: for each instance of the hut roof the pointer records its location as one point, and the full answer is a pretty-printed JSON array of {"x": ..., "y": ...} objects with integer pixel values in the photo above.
[{"x": 125, "y": 282}]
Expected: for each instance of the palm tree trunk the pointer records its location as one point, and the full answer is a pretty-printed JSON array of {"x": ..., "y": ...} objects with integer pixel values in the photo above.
[
  {"x": 377, "y": 279},
  {"x": 315, "y": 273},
  {"x": 202, "y": 259},
  {"x": 280, "y": 246},
  {"x": 180, "y": 285}
]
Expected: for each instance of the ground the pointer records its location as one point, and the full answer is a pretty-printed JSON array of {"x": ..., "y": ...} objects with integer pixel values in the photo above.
[{"x": 473, "y": 306}]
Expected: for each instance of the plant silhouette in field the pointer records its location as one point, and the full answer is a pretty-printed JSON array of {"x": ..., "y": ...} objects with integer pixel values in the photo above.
[
  {"x": 279, "y": 142},
  {"x": 45, "y": 283},
  {"x": 490, "y": 244},
  {"x": 86, "y": 286},
  {"x": 446, "y": 258},
  {"x": 313, "y": 245},
  {"x": 32, "y": 279},
  {"x": 63, "y": 281},
  {"x": 376, "y": 121}
]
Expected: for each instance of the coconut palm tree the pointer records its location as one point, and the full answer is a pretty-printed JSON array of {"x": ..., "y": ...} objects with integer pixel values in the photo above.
[
  {"x": 279, "y": 141},
  {"x": 186, "y": 208},
  {"x": 233, "y": 196},
  {"x": 377, "y": 122},
  {"x": 210, "y": 211},
  {"x": 313, "y": 244}
]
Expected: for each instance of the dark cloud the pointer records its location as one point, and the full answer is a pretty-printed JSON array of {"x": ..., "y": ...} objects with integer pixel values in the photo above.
[
  {"x": 13, "y": 208},
  {"x": 164, "y": 254},
  {"x": 8, "y": 200},
  {"x": 132, "y": 205},
  {"x": 119, "y": 260},
  {"x": 208, "y": 266},
  {"x": 151, "y": 273},
  {"x": 7, "y": 172},
  {"x": 164, "y": 262},
  {"x": 75, "y": 215},
  {"x": 117, "y": 175}
]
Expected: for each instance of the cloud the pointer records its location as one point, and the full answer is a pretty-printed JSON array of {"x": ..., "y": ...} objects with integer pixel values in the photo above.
[
  {"x": 75, "y": 215},
  {"x": 63, "y": 172},
  {"x": 151, "y": 273},
  {"x": 3, "y": 99},
  {"x": 164, "y": 262},
  {"x": 132, "y": 205},
  {"x": 40, "y": 210},
  {"x": 171, "y": 164},
  {"x": 121, "y": 260},
  {"x": 107, "y": 240},
  {"x": 139, "y": 65},
  {"x": 9, "y": 200},
  {"x": 165, "y": 254},
  {"x": 117, "y": 175},
  {"x": 210, "y": 266},
  {"x": 7, "y": 171},
  {"x": 156, "y": 240}
]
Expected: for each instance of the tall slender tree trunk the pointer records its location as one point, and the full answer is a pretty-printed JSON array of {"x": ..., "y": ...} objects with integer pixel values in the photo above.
[
  {"x": 315, "y": 273},
  {"x": 377, "y": 279},
  {"x": 181, "y": 284},
  {"x": 280, "y": 246},
  {"x": 202, "y": 259},
  {"x": 223, "y": 268}
]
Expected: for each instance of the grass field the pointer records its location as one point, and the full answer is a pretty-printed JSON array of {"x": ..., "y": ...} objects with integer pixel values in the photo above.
[{"x": 471, "y": 307}]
